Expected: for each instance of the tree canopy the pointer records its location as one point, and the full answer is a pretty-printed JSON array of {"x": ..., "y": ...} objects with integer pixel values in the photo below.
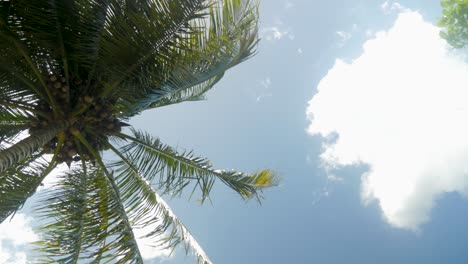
[
  {"x": 454, "y": 22},
  {"x": 72, "y": 73}
]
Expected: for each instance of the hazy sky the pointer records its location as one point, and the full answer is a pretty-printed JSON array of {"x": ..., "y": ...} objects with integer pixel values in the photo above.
[{"x": 361, "y": 109}]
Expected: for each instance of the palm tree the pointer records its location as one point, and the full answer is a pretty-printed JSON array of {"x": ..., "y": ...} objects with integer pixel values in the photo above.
[{"x": 72, "y": 72}]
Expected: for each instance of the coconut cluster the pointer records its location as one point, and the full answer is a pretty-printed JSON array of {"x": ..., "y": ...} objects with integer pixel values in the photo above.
[
  {"x": 92, "y": 118},
  {"x": 58, "y": 86}
]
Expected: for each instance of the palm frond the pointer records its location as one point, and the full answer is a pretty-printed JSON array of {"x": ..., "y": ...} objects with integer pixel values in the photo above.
[
  {"x": 49, "y": 26},
  {"x": 21, "y": 54},
  {"x": 64, "y": 212},
  {"x": 9, "y": 131},
  {"x": 43, "y": 36},
  {"x": 14, "y": 85},
  {"x": 12, "y": 115},
  {"x": 179, "y": 232},
  {"x": 194, "y": 93},
  {"x": 89, "y": 222},
  {"x": 156, "y": 28},
  {"x": 177, "y": 170},
  {"x": 16, "y": 77},
  {"x": 85, "y": 50},
  {"x": 147, "y": 208},
  {"x": 19, "y": 183},
  {"x": 224, "y": 38},
  {"x": 15, "y": 106}
]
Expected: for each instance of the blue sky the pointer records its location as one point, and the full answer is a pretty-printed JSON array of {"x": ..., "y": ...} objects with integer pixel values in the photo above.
[{"x": 365, "y": 129}]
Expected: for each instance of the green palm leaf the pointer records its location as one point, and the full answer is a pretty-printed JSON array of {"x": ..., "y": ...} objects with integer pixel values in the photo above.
[
  {"x": 146, "y": 208},
  {"x": 177, "y": 170},
  {"x": 136, "y": 72},
  {"x": 213, "y": 44},
  {"x": 89, "y": 222},
  {"x": 20, "y": 183},
  {"x": 10, "y": 131},
  {"x": 16, "y": 104}
]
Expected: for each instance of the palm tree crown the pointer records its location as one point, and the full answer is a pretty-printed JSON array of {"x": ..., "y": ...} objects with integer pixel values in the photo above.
[{"x": 72, "y": 72}]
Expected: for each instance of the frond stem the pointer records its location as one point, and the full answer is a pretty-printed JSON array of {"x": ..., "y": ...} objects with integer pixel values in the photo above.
[
  {"x": 62, "y": 49},
  {"x": 165, "y": 154},
  {"x": 115, "y": 189},
  {"x": 163, "y": 205}
]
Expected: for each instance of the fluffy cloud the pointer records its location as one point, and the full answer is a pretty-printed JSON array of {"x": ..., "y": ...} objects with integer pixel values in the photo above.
[
  {"x": 14, "y": 238},
  {"x": 400, "y": 108},
  {"x": 275, "y": 33},
  {"x": 388, "y": 7}
]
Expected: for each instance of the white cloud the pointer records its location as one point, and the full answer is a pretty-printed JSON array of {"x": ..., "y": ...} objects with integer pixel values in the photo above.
[
  {"x": 400, "y": 108},
  {"x": 15, "y": 235},
  {"x": 274, "y": 33},
  {"x": 334, "y": 178},
  {"x": 389, "y": 7},
  {"x": 343, "y": 37}
]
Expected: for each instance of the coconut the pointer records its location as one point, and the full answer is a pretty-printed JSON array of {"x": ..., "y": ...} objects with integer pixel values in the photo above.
[{"x": 53, "y": 77}]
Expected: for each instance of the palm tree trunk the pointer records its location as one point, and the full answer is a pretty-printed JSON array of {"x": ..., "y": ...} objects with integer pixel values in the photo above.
[{"x": 27, "y": 146}]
